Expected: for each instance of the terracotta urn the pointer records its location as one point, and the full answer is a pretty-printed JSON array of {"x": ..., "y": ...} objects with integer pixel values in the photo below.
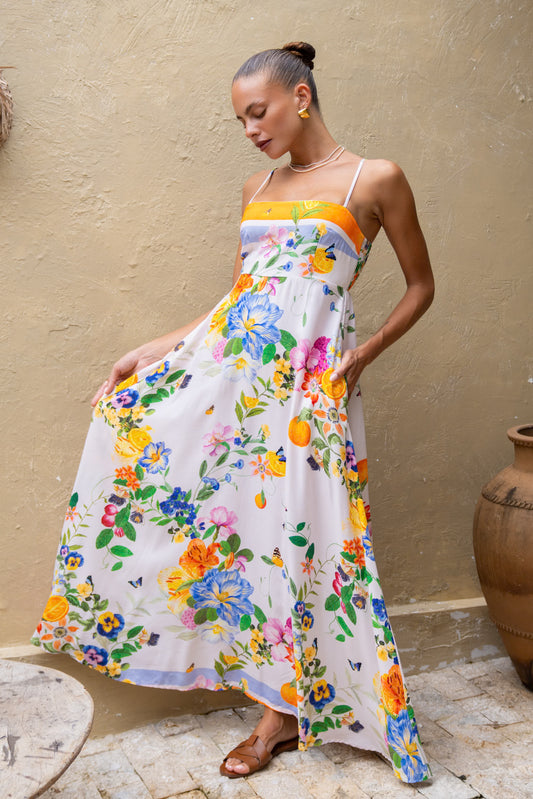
[{"x": 503, "y": 548}]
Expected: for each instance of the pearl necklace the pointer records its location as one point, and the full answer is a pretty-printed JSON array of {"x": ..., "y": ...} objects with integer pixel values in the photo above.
[{"x": 336, "y": 153}]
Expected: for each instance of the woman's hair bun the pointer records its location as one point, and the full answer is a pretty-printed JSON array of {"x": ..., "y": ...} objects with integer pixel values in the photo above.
[{"x": 303, "y": 50}]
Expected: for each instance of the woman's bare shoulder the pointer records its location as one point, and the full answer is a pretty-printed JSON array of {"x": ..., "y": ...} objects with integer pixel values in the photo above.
[
  {"x": 252, "y": 184},
  {"x": 382, "y": 170}
]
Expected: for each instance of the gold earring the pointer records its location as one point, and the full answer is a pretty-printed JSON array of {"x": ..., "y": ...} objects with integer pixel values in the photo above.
[{"x": 303, "y": 113}]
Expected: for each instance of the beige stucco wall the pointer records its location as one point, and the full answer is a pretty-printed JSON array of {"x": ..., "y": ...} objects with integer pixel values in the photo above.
[{"x": 120, "y": 195}]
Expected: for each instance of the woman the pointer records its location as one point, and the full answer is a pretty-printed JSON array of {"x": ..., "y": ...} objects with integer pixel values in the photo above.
[{"x": 218, "y": 535}]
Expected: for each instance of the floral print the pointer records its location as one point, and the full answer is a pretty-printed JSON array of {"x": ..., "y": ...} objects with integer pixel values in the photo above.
[{"x": 219, "y": 531}]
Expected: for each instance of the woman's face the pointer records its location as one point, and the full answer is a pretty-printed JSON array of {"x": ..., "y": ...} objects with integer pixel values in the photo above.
[{"x": 269, "y": 113}]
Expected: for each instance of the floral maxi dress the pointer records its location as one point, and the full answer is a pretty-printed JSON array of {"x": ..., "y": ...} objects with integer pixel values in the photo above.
[{"x": 218, "y": 535}]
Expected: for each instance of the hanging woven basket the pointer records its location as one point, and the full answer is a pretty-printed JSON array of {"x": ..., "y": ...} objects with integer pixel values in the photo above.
[{"x": 6, "y": 108}]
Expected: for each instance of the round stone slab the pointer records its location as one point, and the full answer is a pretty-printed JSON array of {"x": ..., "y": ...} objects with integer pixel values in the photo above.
[{"x": 45, "y": 718}]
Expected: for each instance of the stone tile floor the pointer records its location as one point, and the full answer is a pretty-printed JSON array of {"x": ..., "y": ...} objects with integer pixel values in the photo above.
[{"x": 475, "y": 720}]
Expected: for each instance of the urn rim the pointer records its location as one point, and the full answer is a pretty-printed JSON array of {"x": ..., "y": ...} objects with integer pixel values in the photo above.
[{"x": 521, "y": 434}]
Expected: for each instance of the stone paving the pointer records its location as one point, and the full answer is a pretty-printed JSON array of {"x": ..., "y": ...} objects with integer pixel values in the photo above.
[{"x": 475, "y": 720}]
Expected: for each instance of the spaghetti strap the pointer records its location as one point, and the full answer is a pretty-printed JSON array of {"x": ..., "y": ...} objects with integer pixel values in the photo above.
[
  {"x": 262, "y": 186},
  {"x": 354, "y": 181}
]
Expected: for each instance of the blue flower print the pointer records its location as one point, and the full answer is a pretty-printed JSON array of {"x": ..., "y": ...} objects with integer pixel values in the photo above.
[
  {"x": 95, "y": 656},
  {"x": 155, "y": 457},
  {"x": 351, "y": 462},
  {"x": 368, "y": 545},
  {"x": 177, "y": 505},
  {"x": 210, "y": 481},
  {"x": 125, "y": 398},
  {"x": 253, "y": 319},
  {"x": 403, "y": 740},
  {"x": 73, "y": 560},
  {"x": 227, "y": 592},
  {"x": 110, "y": 624},
  {"x": 299, "y": 607},
  {"x": 307, "y": 620},
  {"x": 378, "y": 607},
  {"x": 159, "y": 372},
  {"x": 321, "y": 693}
]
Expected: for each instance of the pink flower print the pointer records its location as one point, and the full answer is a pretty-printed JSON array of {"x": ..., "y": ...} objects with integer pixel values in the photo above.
[
  {"x": 240, "y": 563},
  {"x": 337, "y": 583},
  {"x": 187, "y": 617},
  {"x": 223, "y": 519},
  {"x": 280, "y": 636},
  {"x": 273, "y": 631},
  {"x": 270, "y": 287},
  {"x": 318, "y": 355},
  {"x": 215, "y": 442},
  {"x": 203, "y": 682},
  {"x": 274, "y": 237},
  {"x": 300, "y": 353},
  {"x": 218, "y": 350}
]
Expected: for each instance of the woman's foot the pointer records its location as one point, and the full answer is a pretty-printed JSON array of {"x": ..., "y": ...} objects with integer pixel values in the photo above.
[{"x": 273, "y": 728}]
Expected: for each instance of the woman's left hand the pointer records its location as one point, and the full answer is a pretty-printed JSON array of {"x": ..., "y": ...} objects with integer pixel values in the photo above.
[{"x": 351, "y": 366}]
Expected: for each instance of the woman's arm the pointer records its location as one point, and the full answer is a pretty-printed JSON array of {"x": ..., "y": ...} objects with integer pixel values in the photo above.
[
  {"x": 153, "y": 351},
  {"x": 395, "y": 208},
  {"x": 149, "y": 353},
  {"x": 142, "y": 356}
]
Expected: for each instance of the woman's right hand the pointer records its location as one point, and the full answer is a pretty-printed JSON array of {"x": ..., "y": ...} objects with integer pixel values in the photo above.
[
  {"x": 142, "y": 357},
  {"x": 126, "y": 366}
]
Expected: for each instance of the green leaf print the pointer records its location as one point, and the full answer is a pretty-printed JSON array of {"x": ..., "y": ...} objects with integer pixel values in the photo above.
[
  {"x": 73, "y": 500},
  {"x": 129, "y": 531},
  {"x": 245, "y": 622},
  {"x": 234, "y": 542},
  {"x": 332, "y": 602},
  {"x": 267, "y": 560},
  {"x": 139, "y": 472},
  {"x": 123, "y": 515},
  {"x": 121, "y": 552},
  {"x": 117, "y": 566},
  {"x": 204, "y": 493},
  {"x": 298, "y": 540},
  {"x": 203, "y": 468},
  {"x": 175, "y": 376},
  {"x": 255, "y": 411},
  {"x": 318, "y": 726},
  {"x": 238, "y": 412},
  {"x": 103, "y": 538},
  {"x": 288, "y": 342},
  {"x": 237, "y": 346},
  {"x": 344, "y": 626},
  {"x": 223, "y": 458},
  {"x": 134, "y": 632},
  {"x": 269, "y": 353},
  {"x": 228, "y": 349},
  {"x": 200, "y": 616},
  {"x": 310, "y": 552},
  {"x": 300, "y": 526},
  {"x": 149, "y": 491},
  {"x": 259, "y": 615},
  {"x": 211, "y": 614}
]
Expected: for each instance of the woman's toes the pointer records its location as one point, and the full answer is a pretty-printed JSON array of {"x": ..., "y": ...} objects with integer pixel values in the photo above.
[{"x": 234, "y": 764}]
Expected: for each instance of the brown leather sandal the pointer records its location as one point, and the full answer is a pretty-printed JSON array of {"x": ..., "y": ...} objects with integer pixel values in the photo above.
[{"x": 254, "y": 753}]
